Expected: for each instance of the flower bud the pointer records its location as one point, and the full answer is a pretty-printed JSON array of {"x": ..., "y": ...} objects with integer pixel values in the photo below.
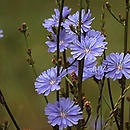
[
  {"x": 23, "y": 28},
  {"x": 108, "y": 6},
  {"x": 30, "y": 61},
  {"x": 29, "y": 51},
  {"x": 72, "y": 28},
  {"x": 2, "y": 98},
  {"x": 88, "y": 107},
  {"x": 127, "y": 125},
  {"x": 128, "y": 98},
  {"x": 50, "y": 37},
  {"x": 54, "y": 29}
]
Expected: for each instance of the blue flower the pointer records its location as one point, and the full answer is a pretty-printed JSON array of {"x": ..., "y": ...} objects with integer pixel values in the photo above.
[
  {"x": 97, "y": 72},
  {"x": 74, "y": 21},
  {"x": 91, "y": 46},
  {"x": 63, "y": 113},
  {"x": 54, "y": 21},
  {"x": 87, "y": 65},
  {"x": 117, "y": 65},
  {"x": 1, "y": 33},
  {"x": 48, "y": 81},
  {"x": 64, "y": 40}
]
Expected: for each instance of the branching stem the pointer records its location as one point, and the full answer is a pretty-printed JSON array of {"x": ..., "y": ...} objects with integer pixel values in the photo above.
[{"x": 3, "y": 101}]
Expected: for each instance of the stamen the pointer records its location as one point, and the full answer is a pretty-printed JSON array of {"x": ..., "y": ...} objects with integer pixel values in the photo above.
[
  {"x": 52, "y": 82},
  {"x": 86, "y": 50},
  {"x": 62, "y": 41},
  {"x": 119, "y": 67},
  {"x": 62, "y": 114}
]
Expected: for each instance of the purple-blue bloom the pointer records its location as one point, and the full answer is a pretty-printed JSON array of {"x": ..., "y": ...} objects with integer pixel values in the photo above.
[
  {"x": 48, "y": 81},
  {"x": 97, "y": 72},
  {"x": 91, "y": 46},
  {"x": 1, "y": 33},
  {"x": 64, "y": 40},
  {"x": 87, "y": 65},
  {"x": 54, "y": 21},
  {"x": 63, "y": 113},
  {"x": 117, "y": 65},
  {"x": 74, "y": 21}
]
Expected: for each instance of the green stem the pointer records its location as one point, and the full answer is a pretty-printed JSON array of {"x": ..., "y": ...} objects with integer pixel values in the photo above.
[
  {"x": 105, "y": 100},
  {"x": 126, "y": 28},
  {"x": 112, "y": 113},
  {"x": 58, "y": 41},
  {"x": 58, "y": 51},
  {"x": 81, "y": 62},
  {"x": 68, "y": 128},
  {"x": 101, "y": 84},
  {"x": 87, "y": 120},
  {"x": 80, "y": 67},
  {"x": 87, "y": 5},
  {"x": 65, "y": 66},
  {"x": 32, "y": 65},
  {"x": 101, "y": 117},
  {"x": 122, "y": 108},
  {"x": 66, "y": 82},
  {"x": 80, "y": 74},
  {"x": 115, "y": 17},
  {"x": 129, "y": 113},
  {"x": 8, "y": 110},
  {"x": 112, "y": 104},
  {"x": 125, "y": 51}
]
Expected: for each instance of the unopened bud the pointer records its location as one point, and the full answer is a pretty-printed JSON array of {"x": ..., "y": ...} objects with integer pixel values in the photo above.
[
  {"x": 29, "y": 51},
  {"x": 127, "y": 125},
  {"x": 27, "y": 34},
  {"x": 60, "y": 61},
  {"x": 127, "y": 2},
  {"x": 1, "y": 100},
  {"x": 50, "y": 37},
  {"x": 128, "y": 98},
  {"x": 108, "y": 6},
  {"x": 72, "y": 28},
  {"x": 53, "y": 61},
  {"x": 54, "y": 29},
  {"x": 87, "y": 1},
  {"x": 23, "y": 28},
  {"x": 30, "y": 61},
  {"x": 122, "y": 19},
  {"x": 87, "y": 107}
]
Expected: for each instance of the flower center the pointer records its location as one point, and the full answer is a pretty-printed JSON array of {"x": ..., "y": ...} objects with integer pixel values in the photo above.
[
  {"x": 62, "y": 114},
  {"x": 62, "y": 41},
  {"x": 52, "y": 82},
  {"x": 119, "y": 67},
  {"x": 86, "y": 50}
]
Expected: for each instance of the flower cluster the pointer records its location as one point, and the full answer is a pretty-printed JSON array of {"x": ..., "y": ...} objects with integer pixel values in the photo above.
[
  {"x": 87, "y": 47},
  {"x": 92, "y": 44}
]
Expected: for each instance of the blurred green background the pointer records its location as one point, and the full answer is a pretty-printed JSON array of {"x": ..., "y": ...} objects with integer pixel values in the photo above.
[{"x": 16, "y": 76}]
